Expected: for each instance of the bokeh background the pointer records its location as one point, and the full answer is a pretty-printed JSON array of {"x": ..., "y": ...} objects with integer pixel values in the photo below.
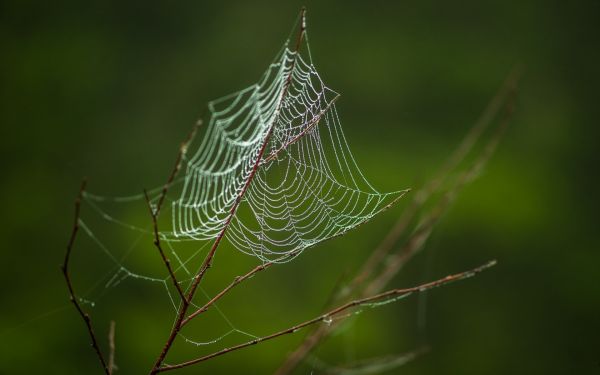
[{"x": 109, "y": 89}]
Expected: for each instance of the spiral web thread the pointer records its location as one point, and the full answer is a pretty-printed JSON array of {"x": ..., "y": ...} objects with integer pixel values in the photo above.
[{"x": 301, "y": 195}]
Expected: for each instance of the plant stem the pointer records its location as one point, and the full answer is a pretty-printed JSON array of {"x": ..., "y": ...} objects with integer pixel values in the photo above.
[
  {"x": 72, "y": 296},
  {"x": 326, "y": 317},
  {"x": 209, "y": 257}
]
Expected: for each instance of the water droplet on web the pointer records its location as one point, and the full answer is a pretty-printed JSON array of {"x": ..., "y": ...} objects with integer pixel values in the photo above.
[{"x": 327, "y": 320}]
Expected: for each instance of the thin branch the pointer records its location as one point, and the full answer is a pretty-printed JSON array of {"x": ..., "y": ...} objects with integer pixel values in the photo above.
[
  {"x": 423, "y": 195},
  {"x": 369, "y": 366},
  {"x": 111, "y": 347},
  {"x": 210, "y": 256},
  {"x": 155, "y": 211},
  {"x": 309, "y": 126},
  {"x": 178, "y": 161},
  {"x": 72, "y": 296},
  {"x": 418, "y": 239},
  {"x": 217, "y": 297},
  {"x": 378, "y": 298},
  {"x": 207, "y": 262},
  {"x": 158, "y": 245}
]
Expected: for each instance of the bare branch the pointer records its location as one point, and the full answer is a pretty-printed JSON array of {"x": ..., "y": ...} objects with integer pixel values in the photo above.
[
  {"x": 166, "y": 261},
  {"x": 309, "y": 126},
  {"x": 155, "y": 211},
  {"x": 72, "y": 296},
  {"x": 219, "y": 295},
  {"x": 111, "y": 346},
  {"x": 418, "y": 239},
  {"x": 209, "y": 257},
  {"x": 433, "y": 186},
  {"x": 180, "y": 155},
  {"x": 381, "y": 297},
  {"x": 371, "y": 365}
]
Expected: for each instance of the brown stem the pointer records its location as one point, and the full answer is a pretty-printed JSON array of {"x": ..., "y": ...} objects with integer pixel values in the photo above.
[
  {"x": 178, "y": 161},
  {"x": 423, "y": 195},
  {"x": 217, "y": 297},
  {"x": 209, "y": 257},
  {"x": 166, "y": 261},
  {"x": 207, "y": 262},
  {"x": 381, "y": 297},
  {"x": 111, "y": 346},
  {"x": 313, "y": 123},
  {"x": 375, "y": 365},
  {"x": 155, "y": 211},
  {"x": 72, "y": 296}
]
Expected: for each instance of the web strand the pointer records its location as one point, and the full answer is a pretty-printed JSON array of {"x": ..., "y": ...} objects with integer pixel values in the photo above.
[{"x": 310, "y": 187}]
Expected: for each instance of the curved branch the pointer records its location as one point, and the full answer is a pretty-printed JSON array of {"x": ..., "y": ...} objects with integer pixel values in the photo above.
[
  {"x": 72, "y": 296},
  {"x": 328, "y": 316},
  {"x": 209, "y": 257}
]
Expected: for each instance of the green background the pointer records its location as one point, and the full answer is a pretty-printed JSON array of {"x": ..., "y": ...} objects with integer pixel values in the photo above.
[{"x": 108, "y": 90}]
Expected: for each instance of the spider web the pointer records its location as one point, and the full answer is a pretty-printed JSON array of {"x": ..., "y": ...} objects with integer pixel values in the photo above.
[
  {"x": 305, "y": 188},
  {"x": 308, "y": 187}
]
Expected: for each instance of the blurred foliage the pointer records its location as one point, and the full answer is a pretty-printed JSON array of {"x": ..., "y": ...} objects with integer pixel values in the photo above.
[{"x": 109, "y": 89}]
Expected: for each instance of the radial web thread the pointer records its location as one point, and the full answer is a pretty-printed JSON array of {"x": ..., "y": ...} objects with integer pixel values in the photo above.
[{"x": 308, "y": 187}]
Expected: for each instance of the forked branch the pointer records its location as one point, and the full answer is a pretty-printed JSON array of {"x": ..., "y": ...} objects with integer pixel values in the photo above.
[
  {"x": 309, "y": 126},
  {"x": 499, "y": 101},
  {"x": 334, "y": 313},
  {"x": 72, "y": 296},
  {"x": 155, "y": 210},
  {"x": 111, "y": 348},
  {"x": 166, "y": 261},
  {"x": 222, "y": 293},
  {"x": 181, "y": 315}
]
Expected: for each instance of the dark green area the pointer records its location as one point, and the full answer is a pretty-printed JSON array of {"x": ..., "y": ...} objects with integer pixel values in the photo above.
[{"x": 109, "y": 90}]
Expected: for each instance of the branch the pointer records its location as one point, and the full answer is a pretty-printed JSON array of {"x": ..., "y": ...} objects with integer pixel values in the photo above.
[
  {"x": 217, "y": 297},
  {"x": 418, "y": 239},
  {"x": 154, "y": 211},
  {"x": 166, "y": 261},
  {"x": 111, "y": 346},
  {"x": 312, "y": 124},
  {"x": 72, "y": 296},
  {"x": 434, "y": 185},
  {"x": 381, "y": 297},
  {"x": 180, "y": 155},
  {"x": 209, "y": 257},
  {"x": 375, "y": 365}
]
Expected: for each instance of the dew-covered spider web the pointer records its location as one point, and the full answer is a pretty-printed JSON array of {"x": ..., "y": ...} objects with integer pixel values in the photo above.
[
  {"x": 274, "y": 153},
  {"x": 299, "y": 195}
]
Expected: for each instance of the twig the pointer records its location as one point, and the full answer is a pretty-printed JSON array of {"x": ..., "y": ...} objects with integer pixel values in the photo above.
[
  {"x": 180, "y": 155},
  {"x": 385, "y": 296},
  {"x": 423, "y": 195},
  {"x": 155, "y": 211},
  {"x": 309, "y": 126},
  {"x": 417, "y": 240},
  {"x": 209, "y": 257},
  {"x": 72, "y": 296},
  {"x": 111, "y": 346},
  {"x": 166, "y": 261},
  {"x": 235, "y": 282},
  {"x": 371, "y": 365}
]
